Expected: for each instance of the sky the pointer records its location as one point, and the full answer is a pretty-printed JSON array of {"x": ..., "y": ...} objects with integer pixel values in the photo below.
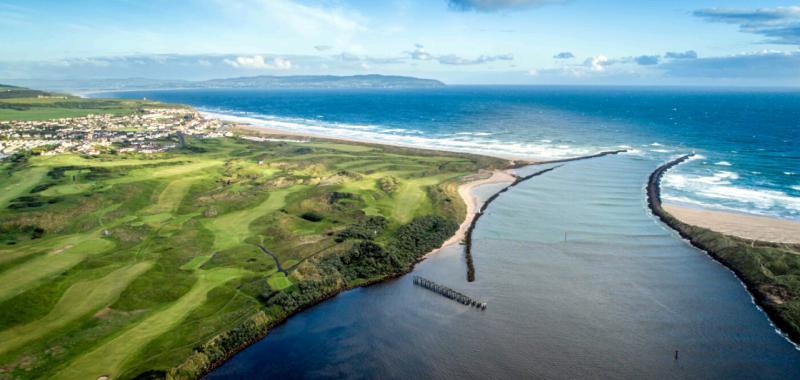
[{"x": 678, "y": 42}]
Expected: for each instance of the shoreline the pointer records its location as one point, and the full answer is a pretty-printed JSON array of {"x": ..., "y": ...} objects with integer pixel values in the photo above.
[
  {"x": 472, "y": 201},
  {"x": 247, "y": 124},
  {"x": 723, "y": 251},
  {"x": 745, "y": 226},
  {"x": 517, "y": 161}
]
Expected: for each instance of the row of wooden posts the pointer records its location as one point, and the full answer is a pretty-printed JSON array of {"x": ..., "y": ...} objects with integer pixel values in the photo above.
[{"x": 449, "y": 293}]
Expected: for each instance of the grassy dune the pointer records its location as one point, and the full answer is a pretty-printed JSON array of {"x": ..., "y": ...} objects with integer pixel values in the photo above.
[{"x": 124, "y": 265}]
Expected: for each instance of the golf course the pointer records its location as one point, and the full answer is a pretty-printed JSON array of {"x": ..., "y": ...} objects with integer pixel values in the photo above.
[{"x": 131, "y": 265}]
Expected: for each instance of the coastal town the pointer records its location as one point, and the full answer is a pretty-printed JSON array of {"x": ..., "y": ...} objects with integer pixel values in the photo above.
[{"x": 145, "y": 131}]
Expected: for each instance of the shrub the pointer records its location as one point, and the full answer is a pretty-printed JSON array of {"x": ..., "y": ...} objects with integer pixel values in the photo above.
[
  {"x": 388, "y": 184},
  {"x": 367, "y": 228}
]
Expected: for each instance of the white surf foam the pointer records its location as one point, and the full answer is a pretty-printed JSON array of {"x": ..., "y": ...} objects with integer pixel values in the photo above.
[
  {"x": 720, "y": 189},
  {"x": 723, "y": 163},
  {"x": 474, "y": 142}
]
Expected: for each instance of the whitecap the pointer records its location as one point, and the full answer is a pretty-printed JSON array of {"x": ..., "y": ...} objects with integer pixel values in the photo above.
[
  {"x": 723, "y": 163},
  {"x": 376, "y": 134},
  {"x": 719, "y": 187}
]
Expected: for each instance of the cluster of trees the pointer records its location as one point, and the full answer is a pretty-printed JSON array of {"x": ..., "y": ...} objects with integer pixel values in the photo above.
[
  {"x": 299, "y": 295},
  {"x": 220, "y": 347},
  {"x": 366, "y": 259},
  {"x": 365, "y": 229}
]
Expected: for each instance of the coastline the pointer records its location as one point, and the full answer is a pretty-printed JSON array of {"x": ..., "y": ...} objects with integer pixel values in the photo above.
[
  {"x": 746, "y": 259},
  {"x": 472, "y": 203},
  {"x": 249, "y": 125},
  {"x": 745, "y": 226},
  {"x": 465, "y": 190}
]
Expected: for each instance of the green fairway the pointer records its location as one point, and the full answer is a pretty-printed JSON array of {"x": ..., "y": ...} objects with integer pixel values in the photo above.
[
  {"x": 75, "y": 188},
  {"x": 81, "y": 299},
  {"x": 109, "y": 357},
  {"x": 105, "y": 258},
  {"x": 231, "y": 229},
  {"x": 17, "y": 279},
  {"x": 20, "y": 182},
  {"x": 170, "y": 198}
]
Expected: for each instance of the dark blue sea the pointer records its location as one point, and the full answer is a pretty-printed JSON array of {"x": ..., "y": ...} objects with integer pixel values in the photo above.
[{"x": 748, "y": 140}]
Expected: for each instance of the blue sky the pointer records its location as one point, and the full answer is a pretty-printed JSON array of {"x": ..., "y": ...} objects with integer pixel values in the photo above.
[{"x": 457, "y": 41}]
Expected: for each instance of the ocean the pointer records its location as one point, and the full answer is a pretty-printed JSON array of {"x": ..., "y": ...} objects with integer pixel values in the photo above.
[{"x": 747, "y": 140}]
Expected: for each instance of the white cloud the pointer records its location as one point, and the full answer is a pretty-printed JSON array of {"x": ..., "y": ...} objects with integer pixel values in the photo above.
[
  {"x": 597, "y": 63},
  {"x": 258, "y": 62}
]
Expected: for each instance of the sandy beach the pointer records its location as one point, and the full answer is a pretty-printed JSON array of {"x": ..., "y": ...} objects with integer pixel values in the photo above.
[
  {"x": 742, "y": 225},
  {"x": 465, "y": 190}
]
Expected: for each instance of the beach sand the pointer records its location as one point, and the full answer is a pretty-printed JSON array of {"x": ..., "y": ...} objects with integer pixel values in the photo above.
[
  {"x": 465, "y": 190},
  {"x": 742, "y": 225}
]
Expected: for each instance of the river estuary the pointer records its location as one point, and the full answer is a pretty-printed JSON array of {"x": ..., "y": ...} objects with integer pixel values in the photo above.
[{"x": 616, "y": 299}]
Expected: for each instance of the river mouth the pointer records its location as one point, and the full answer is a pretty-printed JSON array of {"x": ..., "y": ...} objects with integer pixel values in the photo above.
[{"x": 581, "y": 281}]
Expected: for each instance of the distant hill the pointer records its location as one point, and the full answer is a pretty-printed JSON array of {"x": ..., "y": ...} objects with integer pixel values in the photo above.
[
  {"x": 321, "y": 81},
  {"x": 254, "y": 82},
  {"x": 11, "y": 92}
]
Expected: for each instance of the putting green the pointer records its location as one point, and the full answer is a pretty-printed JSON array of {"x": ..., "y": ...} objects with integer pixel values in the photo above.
[{"x": 278, "y": 281}]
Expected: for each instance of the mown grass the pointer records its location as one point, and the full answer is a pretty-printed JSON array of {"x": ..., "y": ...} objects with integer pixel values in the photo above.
[
  {"x": 81, "y": 299},
  {"x": 124, "y": 264},
  {"x": 24, "y": 276}
]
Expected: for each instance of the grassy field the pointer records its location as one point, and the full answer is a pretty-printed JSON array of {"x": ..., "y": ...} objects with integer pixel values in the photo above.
[
  {"x": 17, "y": 103},
  {"x": 127, "y": 265}
]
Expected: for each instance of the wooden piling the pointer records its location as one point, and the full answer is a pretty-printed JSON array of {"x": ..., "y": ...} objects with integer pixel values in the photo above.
[{"x": 449, "y": 293}]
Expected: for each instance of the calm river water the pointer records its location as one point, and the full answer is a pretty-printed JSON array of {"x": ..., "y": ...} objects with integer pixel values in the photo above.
[{"x": 615, "y": 300}]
